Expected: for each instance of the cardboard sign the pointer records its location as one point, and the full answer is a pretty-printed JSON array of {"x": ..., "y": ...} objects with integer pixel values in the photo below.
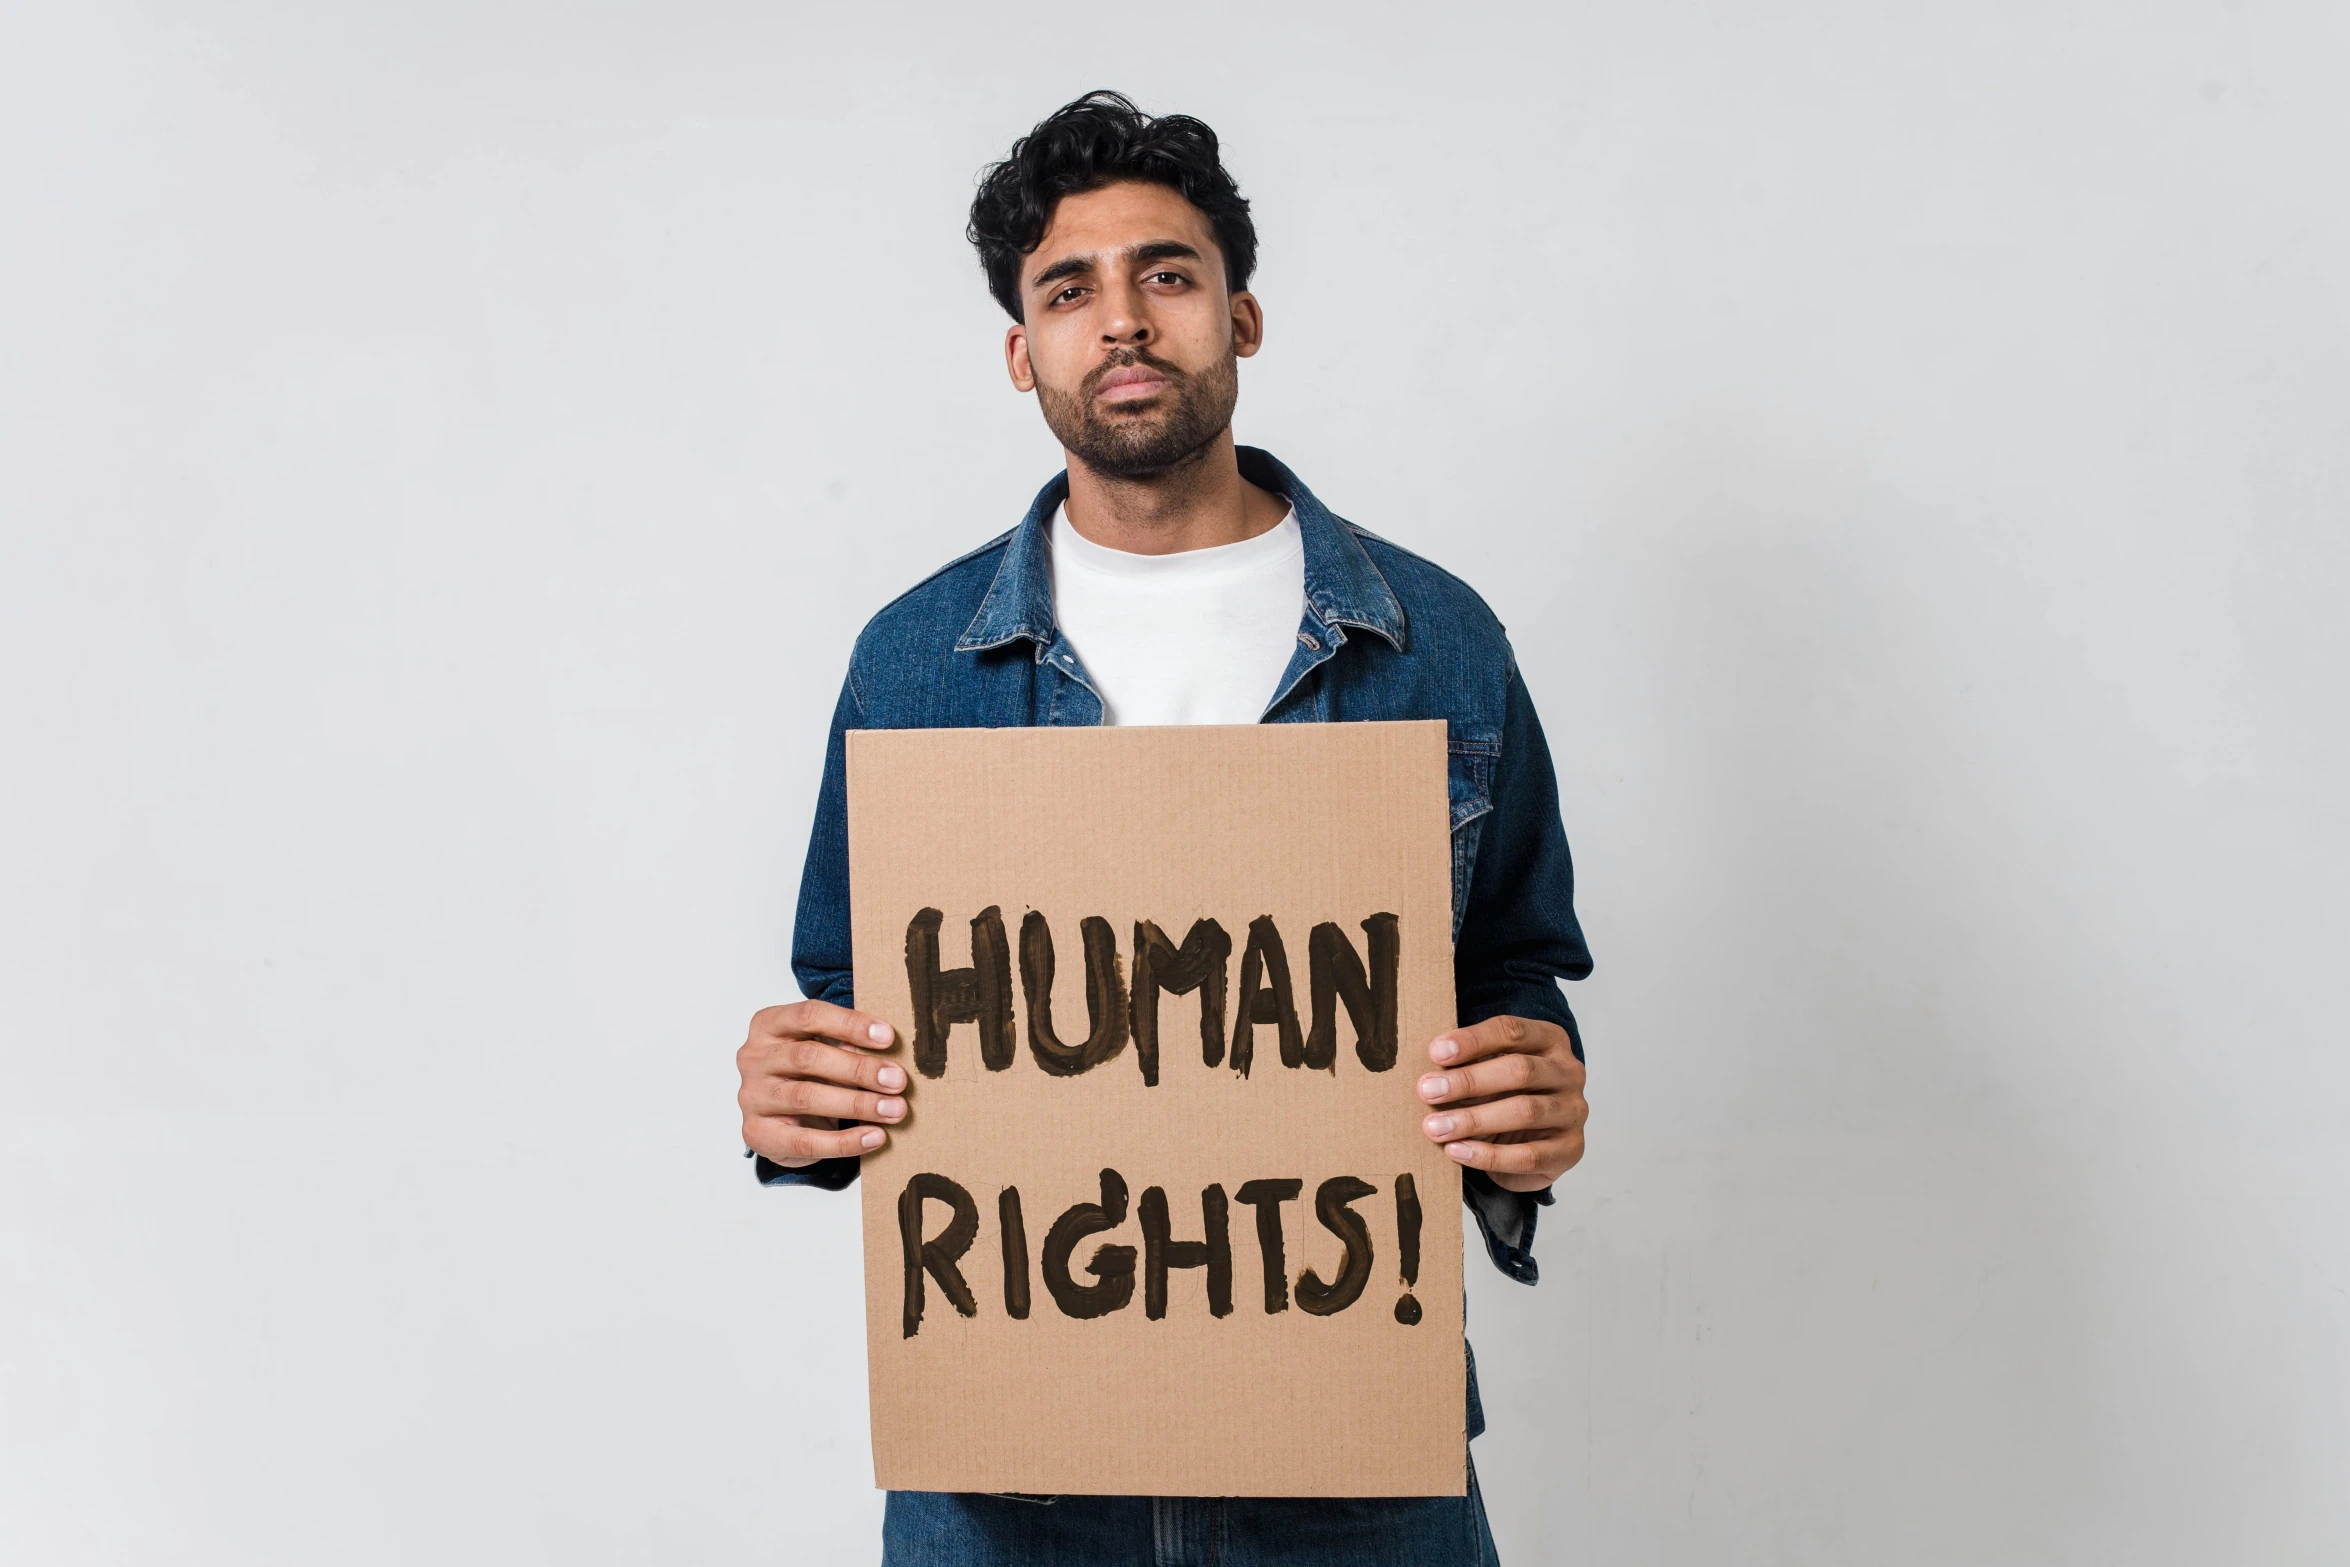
[{"x": 1161, "y": 1219}]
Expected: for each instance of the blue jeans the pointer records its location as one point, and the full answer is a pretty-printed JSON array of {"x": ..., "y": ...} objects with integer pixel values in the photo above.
[{"x": 935, "y": 1529}]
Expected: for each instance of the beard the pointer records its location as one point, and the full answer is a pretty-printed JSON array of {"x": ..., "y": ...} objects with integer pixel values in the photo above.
[{"x": 1123, "y": 443}]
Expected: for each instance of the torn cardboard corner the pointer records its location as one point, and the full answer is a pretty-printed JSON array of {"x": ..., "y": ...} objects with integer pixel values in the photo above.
[{"x": 1161, "y": 1220}]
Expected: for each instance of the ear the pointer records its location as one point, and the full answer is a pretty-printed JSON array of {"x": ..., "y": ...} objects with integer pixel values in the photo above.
[
  {"x": 1016, "y": 357},
  {"x": 1248, "y": 324}
]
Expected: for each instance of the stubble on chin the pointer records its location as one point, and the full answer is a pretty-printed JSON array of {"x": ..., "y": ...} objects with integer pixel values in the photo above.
[{"x": 1191, "y": 413}]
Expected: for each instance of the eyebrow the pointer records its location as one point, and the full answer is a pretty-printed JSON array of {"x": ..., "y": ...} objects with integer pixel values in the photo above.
[
  {"x": 1078, "y": 266},
  {"x": 1166, "y": 250}
]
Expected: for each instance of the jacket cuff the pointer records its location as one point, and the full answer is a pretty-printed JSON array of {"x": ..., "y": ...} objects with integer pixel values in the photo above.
[
  {"x": 1506, "y": 1219},
  {"x": 825, "y": 1174}
]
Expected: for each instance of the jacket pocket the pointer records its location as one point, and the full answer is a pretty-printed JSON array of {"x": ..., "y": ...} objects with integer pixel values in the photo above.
[{"x": 1469, "y": 761}]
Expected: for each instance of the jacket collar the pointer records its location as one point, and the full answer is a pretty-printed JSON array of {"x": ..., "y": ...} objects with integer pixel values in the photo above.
[{"x": 1343, "y": 585}]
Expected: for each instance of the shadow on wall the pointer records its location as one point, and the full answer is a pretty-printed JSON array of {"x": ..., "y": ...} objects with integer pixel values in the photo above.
[{"x": 1823, "y": 1290}]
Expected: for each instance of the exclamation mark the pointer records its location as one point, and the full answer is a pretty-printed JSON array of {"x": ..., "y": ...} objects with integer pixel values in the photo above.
[{"x": 1407, "y": 1235}]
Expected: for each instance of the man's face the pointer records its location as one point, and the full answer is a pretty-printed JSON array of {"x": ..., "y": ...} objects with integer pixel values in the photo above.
[{"x": 1131, "y": 340}]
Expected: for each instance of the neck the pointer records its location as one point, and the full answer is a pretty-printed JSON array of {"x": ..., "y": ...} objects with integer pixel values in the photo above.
[{"x": 1197, "y": 504}]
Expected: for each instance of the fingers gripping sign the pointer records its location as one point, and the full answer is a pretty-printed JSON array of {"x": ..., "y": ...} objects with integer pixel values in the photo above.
[
  {"x": 1508, "y": 1099},
  {"x": 816, "y": 1084}
]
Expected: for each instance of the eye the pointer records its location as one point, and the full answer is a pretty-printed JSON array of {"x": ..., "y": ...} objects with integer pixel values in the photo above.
[
  {"x": 1167, "y": 277},
  {"x": 1067, "y": 294}
]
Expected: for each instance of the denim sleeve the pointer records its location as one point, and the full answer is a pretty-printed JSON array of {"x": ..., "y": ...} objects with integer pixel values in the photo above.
[
  {"x": 1519, "y": 937},
  {"x": 820, "y": 931}
]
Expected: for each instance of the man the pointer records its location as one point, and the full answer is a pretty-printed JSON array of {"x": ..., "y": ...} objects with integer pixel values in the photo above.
[{"x": 1171, "y": 577}]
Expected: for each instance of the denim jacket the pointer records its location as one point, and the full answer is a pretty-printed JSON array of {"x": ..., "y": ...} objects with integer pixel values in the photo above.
[{"x": 1384, "y": 635}]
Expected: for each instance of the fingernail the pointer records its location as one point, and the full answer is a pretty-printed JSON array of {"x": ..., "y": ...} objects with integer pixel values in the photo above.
[
  {"x": 891, "y": 1109},
  {"x": 1443, "y": 1050},
  {"x": 891, "y": 1077},
  {"x": 1434, "y": 1087},
  {"x": 1459, "y": 1151},
  {"x": 1438, "y": 1125},
  {"x": 880, "y": 1033},
  {"x": 872, "y": 1139}
]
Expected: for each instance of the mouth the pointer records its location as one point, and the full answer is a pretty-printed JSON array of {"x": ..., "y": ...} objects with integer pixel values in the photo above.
[{"x": 1129, "y": 384}]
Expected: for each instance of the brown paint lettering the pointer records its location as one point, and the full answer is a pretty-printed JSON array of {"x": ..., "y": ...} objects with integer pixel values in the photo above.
[
  {"x": 1112, "y": 1265},
  {"x": 1314, "y": 1297},
  {"x": 1407, "y": 1241},
  {"x": 1336, "y": 974},
  {"x": 1267, "y": 1197},
  {"x": 1199, "y": 964},
  {"x": 1160, "y": 1252},
  {"x": 979, "y": 994},
  {"x": 1105, "y": 996},
  {"x": 1015, "y": 1232},
  {"x": 939, "y": 1255},
  {"x": 1265, "y": 997}
]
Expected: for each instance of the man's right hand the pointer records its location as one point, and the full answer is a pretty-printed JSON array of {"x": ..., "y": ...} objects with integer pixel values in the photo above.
[{"x": 810, "y": 1071}]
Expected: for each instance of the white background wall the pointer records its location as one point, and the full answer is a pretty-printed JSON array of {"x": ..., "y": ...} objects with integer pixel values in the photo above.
[{"x": 446, "y": 449}]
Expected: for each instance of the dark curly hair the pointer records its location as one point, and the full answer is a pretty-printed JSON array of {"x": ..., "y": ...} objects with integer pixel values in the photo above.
[{"x": 1098, "y": 140}]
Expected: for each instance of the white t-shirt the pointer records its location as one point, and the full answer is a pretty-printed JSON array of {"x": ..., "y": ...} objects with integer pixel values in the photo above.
[{"x": 1197, "y": 637}]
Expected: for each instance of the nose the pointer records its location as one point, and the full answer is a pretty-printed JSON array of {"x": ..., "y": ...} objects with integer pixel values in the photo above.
[{"x": 1126, "y": 321}]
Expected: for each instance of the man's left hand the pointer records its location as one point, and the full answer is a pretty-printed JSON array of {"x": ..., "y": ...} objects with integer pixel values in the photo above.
[{"x": 1509, "y": 1098}]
